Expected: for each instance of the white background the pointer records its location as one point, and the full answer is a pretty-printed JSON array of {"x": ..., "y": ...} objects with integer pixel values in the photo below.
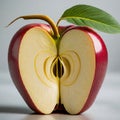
[{"x": 10, "y": 9}]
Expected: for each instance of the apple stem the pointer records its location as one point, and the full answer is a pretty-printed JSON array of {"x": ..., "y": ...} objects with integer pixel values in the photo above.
[{"x": 42, "y": 17}]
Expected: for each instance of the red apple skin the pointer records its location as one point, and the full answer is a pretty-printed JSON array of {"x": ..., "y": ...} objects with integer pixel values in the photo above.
[
  {"x": 101, "y": 63},
  {"x": 101, "y": 56}
]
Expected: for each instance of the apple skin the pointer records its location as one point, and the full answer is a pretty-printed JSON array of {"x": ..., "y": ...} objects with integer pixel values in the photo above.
[{"x": 100, "y": 71}]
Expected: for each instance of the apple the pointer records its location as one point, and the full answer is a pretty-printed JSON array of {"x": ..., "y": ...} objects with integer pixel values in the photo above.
[{"x": 57, "y": 73}]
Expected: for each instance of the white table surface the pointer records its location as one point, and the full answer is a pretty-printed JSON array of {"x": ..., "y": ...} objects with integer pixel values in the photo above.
[{"x": 106, "y": 106}]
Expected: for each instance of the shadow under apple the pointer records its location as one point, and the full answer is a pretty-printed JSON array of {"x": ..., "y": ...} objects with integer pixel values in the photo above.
[{"x": 15, "y": 109}]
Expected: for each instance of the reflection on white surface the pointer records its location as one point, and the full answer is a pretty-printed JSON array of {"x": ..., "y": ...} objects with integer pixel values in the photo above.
[
  {"x": 106, "y": 106},
  {"x": 56, "y": 117},
  {"x": 42, "y": 117}
]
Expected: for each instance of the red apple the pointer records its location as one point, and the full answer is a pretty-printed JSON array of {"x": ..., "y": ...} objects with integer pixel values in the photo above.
[{"x": 51, "y": 74}]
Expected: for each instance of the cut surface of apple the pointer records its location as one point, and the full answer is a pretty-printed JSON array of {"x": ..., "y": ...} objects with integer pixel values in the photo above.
[
  {"x": 77, "y": 49},
  {"x": 51, "y": 75},
  {"x": 36, "y": 54}
]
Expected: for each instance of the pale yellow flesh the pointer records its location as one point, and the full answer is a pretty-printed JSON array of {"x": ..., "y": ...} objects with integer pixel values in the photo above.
[
  {"x": 37, "y": 51},
  {"x": 37, "y": 58},
  {"x": 77, "y": 47}
]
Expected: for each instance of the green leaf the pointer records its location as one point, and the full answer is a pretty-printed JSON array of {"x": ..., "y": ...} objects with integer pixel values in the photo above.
[{"x": 85, "y": 15}]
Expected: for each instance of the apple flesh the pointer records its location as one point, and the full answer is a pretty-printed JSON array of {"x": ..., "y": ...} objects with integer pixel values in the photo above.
[{"x": 52, "y": 73}]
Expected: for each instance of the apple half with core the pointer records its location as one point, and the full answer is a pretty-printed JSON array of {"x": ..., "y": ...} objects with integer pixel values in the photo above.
[{"x": 57, "y": 68}]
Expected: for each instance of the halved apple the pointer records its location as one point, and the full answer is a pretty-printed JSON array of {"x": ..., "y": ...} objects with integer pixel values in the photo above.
[{"x": 49, "y": 73}]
